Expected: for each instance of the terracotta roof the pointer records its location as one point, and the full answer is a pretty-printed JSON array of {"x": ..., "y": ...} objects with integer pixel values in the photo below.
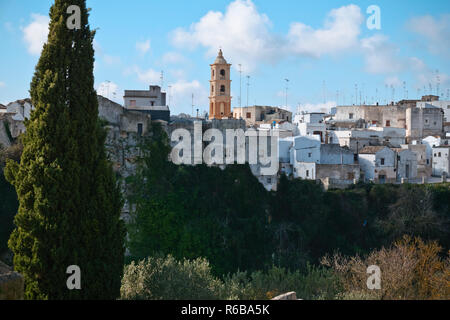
[{"x": 371, "y": 149}]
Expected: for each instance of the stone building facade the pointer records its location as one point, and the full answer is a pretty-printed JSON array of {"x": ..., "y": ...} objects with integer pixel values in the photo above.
[
  {"x": 144, "y": 98},
  {"x": 220, "y": 89},
  {"x": 256, "y": 115},
  {"x": 378, "y": 164},
  {"x": 418, "y": 117}
]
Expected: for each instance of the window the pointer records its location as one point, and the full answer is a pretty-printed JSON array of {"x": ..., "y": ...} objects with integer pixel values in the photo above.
[
  {"x": 426, "y": 121},
  {"x": 388, "y": 123},
  {"x": 350, "y": 115},
  {"x": 309, "y": 155},
  {"x": 249, "y": 115},
  {"x": 382, "y": 161},
  {"x": 222, "y": 89},
  {"x": 269, "y": 180},
  {"x": 428, "y": 161},
  {"x": 439, "y": 154},
  {"x": 350, "y": 176},
  {"x": 212, "y": 89},
  {"x": 222, "y": 73},
  {"x": 152, "y": 103},
  {"x": 132, "y": 103},
  {"x": 307, "y": 173},
  {"x": 213, "y": 73},
  {"x": 139, "y": 129}
]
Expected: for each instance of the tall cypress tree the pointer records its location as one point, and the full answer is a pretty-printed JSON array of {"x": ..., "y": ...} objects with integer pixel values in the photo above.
[{"x": 69, "y": 202}]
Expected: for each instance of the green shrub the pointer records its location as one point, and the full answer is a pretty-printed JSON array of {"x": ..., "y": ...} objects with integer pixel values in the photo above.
[
  {"x": 159, "y": 278},
  {"x": 315, "y": 283},
  {"x": 165, "y": 278}
]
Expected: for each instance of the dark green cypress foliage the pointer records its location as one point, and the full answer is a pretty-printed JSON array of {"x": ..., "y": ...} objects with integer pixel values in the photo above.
[{"x": 69, "y": 203}]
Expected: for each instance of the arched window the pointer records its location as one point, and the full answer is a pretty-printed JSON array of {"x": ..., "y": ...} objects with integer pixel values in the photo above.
[
  {"x": 222, "y": 89},
  {"x": 212, "y": 89},
  {"x": 222, "y": 73},
  {"x": 213, "y": 73}
]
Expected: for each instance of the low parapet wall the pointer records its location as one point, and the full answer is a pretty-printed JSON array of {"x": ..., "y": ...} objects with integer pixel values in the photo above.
[{"x": 11, "y": 284}]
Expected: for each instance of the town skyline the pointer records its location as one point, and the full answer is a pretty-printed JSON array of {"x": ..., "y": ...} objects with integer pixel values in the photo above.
[{"x": 325, "y": 51}]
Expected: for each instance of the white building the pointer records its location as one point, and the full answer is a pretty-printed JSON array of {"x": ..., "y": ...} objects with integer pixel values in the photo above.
[
  {"x": 444, "y": 105},
  {"x": 378, "y": 164},
  {"x": 144, "y": 98},
  {"x": 358, "y": 139},
  {"x": 423, "y": 163},
  {"x": 310, "y": 124},
  {"x": 406, "y": 163},
  {"x": 284, "y": 155},
  {"x": 309, "y": 117},
  {"x": 441, "y": 160},
  {"x": 311, "y": 160},
  {"x": 355, "y": 139},
  {"x": 16, "y": 113},
  {"x": 283, "y": 130},
  {"x": 390, "y": 135}
]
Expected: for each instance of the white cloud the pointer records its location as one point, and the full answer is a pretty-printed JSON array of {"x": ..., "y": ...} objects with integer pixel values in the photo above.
[
  {"x": 149, "y": 76},
  {"x": 435, "y": 31},
  {"x": 173, "y": 58},
  {"x": 381, "y": 56},
  {"x": 111, "y": 60},
  {"x": 110, "y": 90},
  {"x": 248, "y": 38},
  {"x": 425, "y": 76},
  {"x": 177, "y": 73},
  {"x": 143, "y": 47},
  {"x": 35, "y": 34},
  {"x": 242, "y": 32},
  {"x": 318, "y": 107},
  {"x": 340, "y": 32},
  {"x": 108, "y": 59},
  {"x": 393, "y": 81},
  {"x": 181, "y": 96}
]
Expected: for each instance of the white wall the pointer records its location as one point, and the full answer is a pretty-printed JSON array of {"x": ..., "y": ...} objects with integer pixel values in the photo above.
[
  {"x": 305, "y": 149},
  {"x": 407, "y": 159},
  {"x": 441, "y": 161},
  {"x": 305, "y": 170},
  {"x": 444, "y": 105},
  {"x": 367, "y": 165}
]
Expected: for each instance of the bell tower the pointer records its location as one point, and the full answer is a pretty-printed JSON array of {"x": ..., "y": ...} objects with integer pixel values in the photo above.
[{"x": 220, "y": 89}]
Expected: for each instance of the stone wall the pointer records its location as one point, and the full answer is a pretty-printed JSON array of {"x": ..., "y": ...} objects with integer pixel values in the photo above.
[
  {"x": 11, "y": 284},
  {"x": 4, "y": 138},
  {"x": 338, "y": 171}
]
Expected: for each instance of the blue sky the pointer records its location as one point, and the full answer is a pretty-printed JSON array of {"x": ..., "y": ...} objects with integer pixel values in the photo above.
[{"x": 323, "y": 47}]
